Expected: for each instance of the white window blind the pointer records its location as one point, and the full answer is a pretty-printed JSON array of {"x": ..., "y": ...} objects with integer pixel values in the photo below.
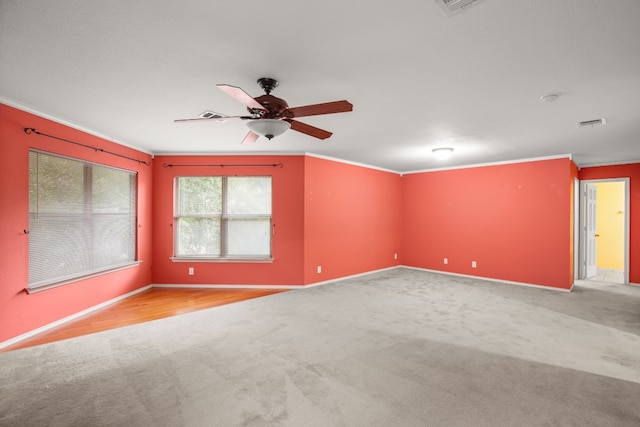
[
  {"x": 82, "y": 219},
  {"x": 223, "y": 217}
]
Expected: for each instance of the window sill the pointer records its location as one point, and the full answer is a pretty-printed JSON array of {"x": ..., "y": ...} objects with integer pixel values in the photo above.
[
  {"x": 40, "y": 288},
  {"x": 223, "y": 260}
]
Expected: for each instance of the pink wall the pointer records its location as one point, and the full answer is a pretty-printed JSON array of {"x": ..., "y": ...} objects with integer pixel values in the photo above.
[
  {"x": 287, "y": 216},
  {"x": 323, "y": 213},
  {"x": 514, "y": 220},
  {"x": 631, "y": 171},
  {"x": 353, "y": 219},
  {"x": 20, "y": 312}
]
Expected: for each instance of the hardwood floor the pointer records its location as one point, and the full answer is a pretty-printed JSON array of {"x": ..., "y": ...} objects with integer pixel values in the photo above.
[{"x": 152, "y": 304}]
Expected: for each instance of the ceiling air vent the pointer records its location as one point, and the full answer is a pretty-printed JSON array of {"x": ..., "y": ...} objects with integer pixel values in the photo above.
[
  {"x": 211, "y": 115},
  {"x": 454, "y": 6},
  {"x": 595, "y": 122}
]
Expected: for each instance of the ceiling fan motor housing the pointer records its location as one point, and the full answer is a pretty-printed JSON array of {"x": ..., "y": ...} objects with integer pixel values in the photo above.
[{"x": 276, "y": 108}]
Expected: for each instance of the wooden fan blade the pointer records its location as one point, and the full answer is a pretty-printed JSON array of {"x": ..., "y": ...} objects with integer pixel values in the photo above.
[
  {"x": 250, "y": 137},
  {"x": 318, "y": 109},
  {"x": 309, "y": 130},
  {"x": 212, "y": 119},
  {"x": 241, "y": 96}
]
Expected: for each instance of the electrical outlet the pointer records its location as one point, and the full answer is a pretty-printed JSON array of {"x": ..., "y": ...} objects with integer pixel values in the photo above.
[
  {"x": 319, "y": 269},
  {"x": 446, "y": 260},
  {"x": 473, "y": 264},
  {"x": 191, "y": 271}
]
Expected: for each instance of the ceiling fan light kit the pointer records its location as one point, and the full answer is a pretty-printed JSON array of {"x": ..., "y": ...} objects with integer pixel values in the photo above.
[
  {"x": 268, "y": 128},
  {"x": 270, "y": 116}
]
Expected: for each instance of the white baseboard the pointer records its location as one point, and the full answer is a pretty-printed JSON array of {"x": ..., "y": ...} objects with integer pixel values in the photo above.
[
  {"x": 219, "y": 286},
  {"x": 74, "y": 316},
  {"x": 283, "y": 287},
  {"x": 326, "y": 282},
  {"x": 488, "y": 279}
]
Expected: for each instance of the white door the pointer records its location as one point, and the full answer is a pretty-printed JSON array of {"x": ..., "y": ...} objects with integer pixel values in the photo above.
[{"x": 590, "y": 230}]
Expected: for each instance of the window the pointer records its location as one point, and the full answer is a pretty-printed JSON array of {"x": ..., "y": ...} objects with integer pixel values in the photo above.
[
  {"x": 219, "y": 217},
  {"x": 81, "y": 219}
]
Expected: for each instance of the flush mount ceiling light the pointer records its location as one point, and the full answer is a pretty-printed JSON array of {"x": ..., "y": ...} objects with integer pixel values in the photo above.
[
  {"x": 550, "y": 97},
  {"x": 268, "y": 127},
  {"x": 442, "y": 153}
]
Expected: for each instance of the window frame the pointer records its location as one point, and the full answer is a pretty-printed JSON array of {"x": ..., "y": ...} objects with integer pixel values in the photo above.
[
  {"x": 225, "y": 218},
  {"x": 88, "y": 214}
]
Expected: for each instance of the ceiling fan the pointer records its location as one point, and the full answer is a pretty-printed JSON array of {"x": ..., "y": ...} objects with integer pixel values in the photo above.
[{"x": 270, "y": 116}]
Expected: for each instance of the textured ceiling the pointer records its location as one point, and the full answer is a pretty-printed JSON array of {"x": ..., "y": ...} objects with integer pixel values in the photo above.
[{"x": 418, "y": 78}]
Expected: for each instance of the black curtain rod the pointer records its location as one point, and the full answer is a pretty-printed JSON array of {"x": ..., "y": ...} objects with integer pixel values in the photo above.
[
  {"x": 273, "y": 165},
  {"x": 29, "y": 131}
]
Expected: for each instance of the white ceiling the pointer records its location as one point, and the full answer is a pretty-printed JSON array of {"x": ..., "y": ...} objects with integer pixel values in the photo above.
[{"x": 417, "y": 77}]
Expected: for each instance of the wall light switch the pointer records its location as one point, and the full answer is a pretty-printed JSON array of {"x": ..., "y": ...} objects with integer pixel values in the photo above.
[
  {"x": 395, "y": 256},
  {"x": 319, "y": 269},
  {"x": 191, "y": 271},
  {"x": 473, "y": 264},
  {"x": 446, "y": 260}
]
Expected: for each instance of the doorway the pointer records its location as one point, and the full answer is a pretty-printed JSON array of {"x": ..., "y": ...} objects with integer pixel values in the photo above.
[{"x": 604, "y": 230}]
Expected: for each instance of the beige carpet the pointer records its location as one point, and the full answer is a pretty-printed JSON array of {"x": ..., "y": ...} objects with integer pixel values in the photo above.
[{"x": 396, "y": 348}]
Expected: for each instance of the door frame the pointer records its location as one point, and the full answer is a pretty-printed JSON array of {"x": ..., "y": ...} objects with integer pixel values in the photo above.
[{"x": 580, "y": 212}]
